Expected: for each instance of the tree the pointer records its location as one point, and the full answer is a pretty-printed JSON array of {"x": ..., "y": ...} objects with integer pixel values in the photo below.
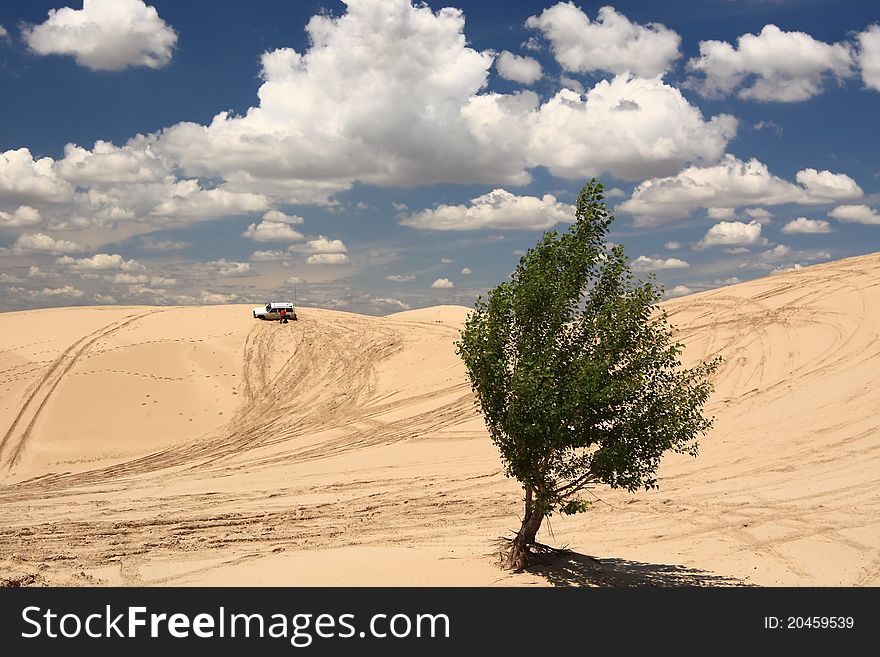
[{"x": 574, "y": 368}]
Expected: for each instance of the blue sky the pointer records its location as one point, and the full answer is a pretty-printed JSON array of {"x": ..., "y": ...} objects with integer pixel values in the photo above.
[{"x": 381, "y": 156}]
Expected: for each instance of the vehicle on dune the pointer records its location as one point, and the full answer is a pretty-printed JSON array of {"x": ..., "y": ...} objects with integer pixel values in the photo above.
[{"x": 283, "y": 311}]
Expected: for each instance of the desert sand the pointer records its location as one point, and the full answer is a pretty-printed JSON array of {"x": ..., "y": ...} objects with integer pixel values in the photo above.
[{"x": 185, "y": 446}]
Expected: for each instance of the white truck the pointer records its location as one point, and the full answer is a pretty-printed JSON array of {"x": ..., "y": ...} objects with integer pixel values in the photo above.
[{"x": 280, "y": 310}]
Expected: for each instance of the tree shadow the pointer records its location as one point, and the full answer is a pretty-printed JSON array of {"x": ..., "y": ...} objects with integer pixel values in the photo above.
[{"x": 573, "y": 569}]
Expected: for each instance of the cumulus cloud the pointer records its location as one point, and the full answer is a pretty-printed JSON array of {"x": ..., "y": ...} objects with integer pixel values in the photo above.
[
  {"x": 327, "y": 259},
  {"x": 108, "y": 164},
  {"x": 525, "y": 70},
  {"x": 443, "y": 284},
  {"x": 99, "y": 262},
  {"x": 390, "y": 94},
  {"x": 3, "y": 33},
  {"x": 858, "y": 214},
  {"x": 224, "y": 267},
  {"x": 645, "y": 263},
  {"x": 218, "y": 297},
  {"x": 107, "y": 35},
  {"x": 721, "y": 213},
  {"x": 672, "y": 245},
  {"x": 41, "y": 243},
  {"x": 786, "y": 269},
  {"x": 660, "y": 132},
  {"x": 51, "y": 293},
  {"x": 770, "y": 66},
  {"x": 762, "y": 215},
  {"x": 732, "y": 183},
  {"x": 24, "y": 179},
  {"x": 278, "y": 217},
  {"x": 400, "y": 278},
  {"x": 805, "y": 226},
  {"x": 823, "y": 186},
  {"x": 321, "y": 245},
  {"x": 266, "y": 256},
  {"x": 497, "y": 209},
  {"x": 130, "y": 279},
  {"x": 466, "y": 271},
  {"x": 869, "y": 57},
  {"x": 24, "y": 215},
  {"x": 187, "y": 200},
  {"x": 271, "y": 231},
  {"x": 611, "y": 43},
  {"x": 732, "y": 233},
  {"x": 390, "y": 301},
  {"x": 679, "y": 291}
]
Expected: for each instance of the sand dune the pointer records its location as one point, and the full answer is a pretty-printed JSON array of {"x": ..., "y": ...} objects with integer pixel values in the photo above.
[{"x": 178, "y": 445}]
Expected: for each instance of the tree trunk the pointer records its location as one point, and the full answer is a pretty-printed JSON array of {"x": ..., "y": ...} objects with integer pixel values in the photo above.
[{"x": 518, "y": 556}]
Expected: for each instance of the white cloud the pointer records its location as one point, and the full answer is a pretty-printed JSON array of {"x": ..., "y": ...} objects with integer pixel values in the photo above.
[
  {"x": 218, "y": 297},
  {"x": 24, "y": 179},
  {"x": 732, "y": 183},
  {"x": 327, "y": 259},
  {"x": 44, "y": 243},
  {"x": 3, "y": 33},
  {"x": 24, "y": 215},
  {"x": 446, "y": 261},
  {"x": 107, "y": 35},
  {"x": 610, "y": 43},
  {"x": 390, "y": 94},
  {"x": 525, "y": 70},
  {"x": 628, "y": 127},
  {"x": 48, "y": 293},
  {"x": 615, "y": 192},
  {"x": 805, "y": 226},
  {"x": 391, "y": 302},
  {"x": 721, "y": 213},
  {"x": 644, "y": 263},
  {"x": 466, "y": 271},
  {"x": 187, "y": 200},
  {"x": 320, "y": 245},
  {"x": 497, "y": 209},
  {"x": 777, "y": 252},
  {"x": 763, "y": 216},
  {"x": 100, "y": 262},
  {"x": 400, "y": 278},
  {"x": 109, "y": 164},
  {"x": 278, "y": 217},
  {"x": 266, "y": 256},
  {"x": 443, "y": 284},
  {"x": 869, "y": 57},
  {"x": 771, "y": 66},
  {"x": 673, "y": 246},
  {"x": 858, "y": 214},
  {"x": 162, "y": 281},
  {"x": 224, "y": 267},
  {"x": 737, "y": 250},
  {"x": 732, "y": 233},
  {"x": 788, "y": 268},
  {"x": 733, "y": 280},
  {"x": 823, "y": 186},
  {"x": 271, "y": 231},
  {"x": 679, "y": 291},
  {"x": 130, "y": 279}
]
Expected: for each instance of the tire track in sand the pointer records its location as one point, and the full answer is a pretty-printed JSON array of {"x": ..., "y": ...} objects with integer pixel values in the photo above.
[{"x": 12, "y": 446}]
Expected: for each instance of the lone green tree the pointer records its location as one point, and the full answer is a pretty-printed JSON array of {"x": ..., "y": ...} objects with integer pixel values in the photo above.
[{"x": 575, "y": 370}]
